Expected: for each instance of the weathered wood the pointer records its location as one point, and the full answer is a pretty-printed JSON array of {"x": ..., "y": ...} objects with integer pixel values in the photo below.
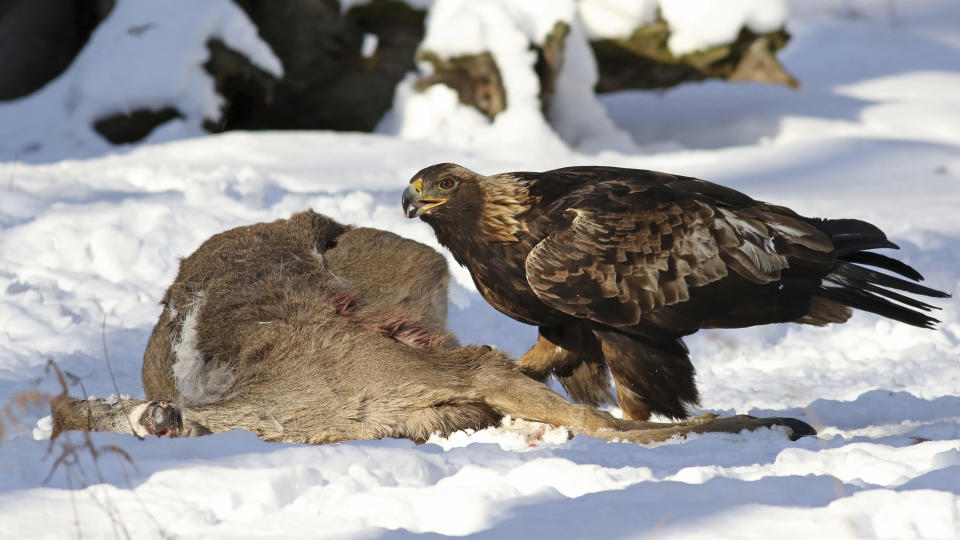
[
  {"x": 127, "y": 128},
  {"x": 40, "y": 38},
  {"x": 643, "y": 61},
  {"x": 475, "y": 78},
  {"x": 550, "y": 59},
  {"x": 327, "y": 82}
]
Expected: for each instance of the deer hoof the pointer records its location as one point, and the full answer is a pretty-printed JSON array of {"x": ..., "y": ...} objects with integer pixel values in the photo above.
[
  {"x": 797, "y": 428},
  {"x": 162, "y": 418}
]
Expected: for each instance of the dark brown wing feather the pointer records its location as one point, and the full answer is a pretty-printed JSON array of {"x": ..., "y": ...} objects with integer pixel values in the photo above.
[{"x": 617, "y": 249}]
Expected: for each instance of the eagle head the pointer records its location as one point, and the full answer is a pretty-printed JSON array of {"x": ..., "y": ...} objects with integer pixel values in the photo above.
[
  {"x": 443, "y": 192},
  {"x": 456, "y": 201}
]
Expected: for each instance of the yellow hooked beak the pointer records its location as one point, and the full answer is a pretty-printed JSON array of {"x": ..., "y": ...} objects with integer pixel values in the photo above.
[{"x": 414, "y": 203}]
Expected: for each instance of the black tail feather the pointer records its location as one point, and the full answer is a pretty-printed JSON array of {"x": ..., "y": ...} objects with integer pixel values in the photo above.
[
  {"x": 859, "y": 274},
  {"x": 861, "y": 299},
  {"x": 863, "y": 288},
  {"x": 903, "y": 299},
  {"x": 850, "y": 235},
  {"x": 877, "y": 260}
]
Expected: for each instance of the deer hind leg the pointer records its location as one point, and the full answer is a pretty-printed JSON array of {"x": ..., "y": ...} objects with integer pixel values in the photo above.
[
  {"x": 705, "y": 424},
  {"x": 512, "y": 393}
]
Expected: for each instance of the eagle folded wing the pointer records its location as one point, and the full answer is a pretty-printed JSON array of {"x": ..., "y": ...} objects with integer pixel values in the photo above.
[{"x": 613, "y": 258}]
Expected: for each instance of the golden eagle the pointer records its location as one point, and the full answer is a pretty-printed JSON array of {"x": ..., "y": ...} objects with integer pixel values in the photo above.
[{"x": 616, "y": 265}]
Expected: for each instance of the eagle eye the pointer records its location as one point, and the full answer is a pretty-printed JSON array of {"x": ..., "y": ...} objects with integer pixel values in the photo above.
[{"x": 445, "y": 183}]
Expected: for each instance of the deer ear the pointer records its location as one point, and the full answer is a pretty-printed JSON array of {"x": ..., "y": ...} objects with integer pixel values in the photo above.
[{"x": 325, "y": 230}]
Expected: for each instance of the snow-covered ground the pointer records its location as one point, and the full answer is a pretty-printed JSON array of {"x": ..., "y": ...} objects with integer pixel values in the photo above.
[{"x": 89, "y": 244}]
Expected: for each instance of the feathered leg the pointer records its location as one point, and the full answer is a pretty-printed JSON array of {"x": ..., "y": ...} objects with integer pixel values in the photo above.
[
  {"x": 572, "y": 354},
  {"x": 651, "y": 377}
]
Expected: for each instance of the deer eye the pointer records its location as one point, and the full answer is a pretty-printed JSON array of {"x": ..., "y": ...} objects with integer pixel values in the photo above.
[{"x": 445, "y": 183}]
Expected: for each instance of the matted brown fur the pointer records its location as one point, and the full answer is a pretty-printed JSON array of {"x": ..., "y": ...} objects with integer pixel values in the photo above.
[{"x": 307, "y": 330}]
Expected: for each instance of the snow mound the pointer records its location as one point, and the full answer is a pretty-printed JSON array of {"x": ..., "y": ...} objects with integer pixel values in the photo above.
[
  {"x": 612, "y": 19},
  {"x": 506, "y": 30},
  {"x": 700, "y": 24},
  {"x": 144, "y": 55}
]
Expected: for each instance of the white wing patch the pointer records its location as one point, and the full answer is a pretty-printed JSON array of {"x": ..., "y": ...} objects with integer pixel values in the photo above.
[
  {"x": 758, "y": 243},
  {"x": 197, "y": 382}
]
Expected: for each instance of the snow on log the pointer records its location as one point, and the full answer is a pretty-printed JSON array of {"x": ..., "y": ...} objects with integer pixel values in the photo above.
[{"x": 457, "y": 70}]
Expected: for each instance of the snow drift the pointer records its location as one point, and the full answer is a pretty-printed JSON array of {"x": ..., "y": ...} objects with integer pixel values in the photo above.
[{"x": 90, "y": 240}]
